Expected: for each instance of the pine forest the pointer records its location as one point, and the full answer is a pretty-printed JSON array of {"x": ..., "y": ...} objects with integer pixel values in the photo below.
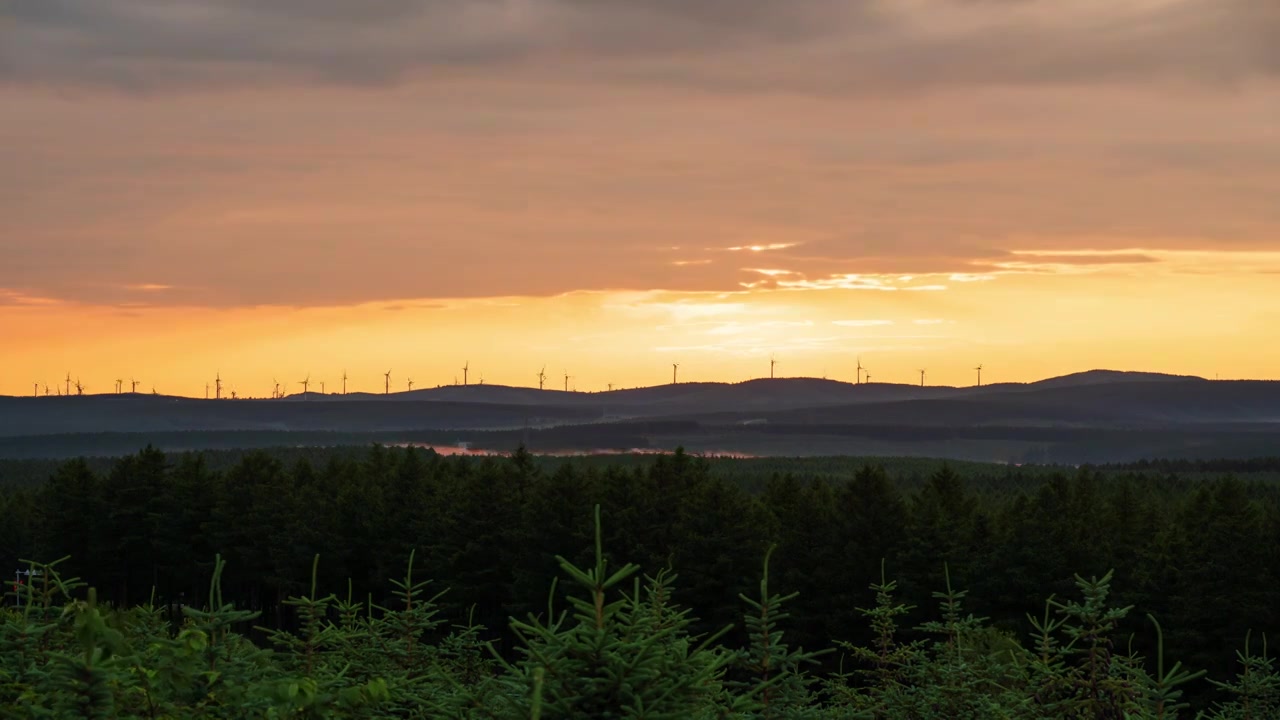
[{"x": 385, "y": 582}]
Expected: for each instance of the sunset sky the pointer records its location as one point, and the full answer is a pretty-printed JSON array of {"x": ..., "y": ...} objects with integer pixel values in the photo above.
[{"x": 605, "y": 187}]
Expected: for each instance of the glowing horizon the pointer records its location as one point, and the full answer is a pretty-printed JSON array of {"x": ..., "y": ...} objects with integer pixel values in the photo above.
[
  {"x": 606, "y": 188},
  {"x": 716, "y": 336}
]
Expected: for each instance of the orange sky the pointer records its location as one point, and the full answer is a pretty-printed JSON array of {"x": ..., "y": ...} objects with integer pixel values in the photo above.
[{"x": 606, "y": 188}]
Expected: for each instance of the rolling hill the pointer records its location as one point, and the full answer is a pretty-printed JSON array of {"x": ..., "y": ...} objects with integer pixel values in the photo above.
[{"x": 1116, "y": 414}]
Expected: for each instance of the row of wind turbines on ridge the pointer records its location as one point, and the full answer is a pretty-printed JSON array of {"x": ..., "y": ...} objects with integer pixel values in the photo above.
[
  {"x": 80, "y": 387},
  {"x": 278, "y": 391},
  {"x": 863, "y": 377}
]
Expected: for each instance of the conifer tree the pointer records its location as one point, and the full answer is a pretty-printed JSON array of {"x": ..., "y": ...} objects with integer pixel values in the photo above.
[
  {"x": 778, "y": 677},
  {"x": 617, "y": 654}
]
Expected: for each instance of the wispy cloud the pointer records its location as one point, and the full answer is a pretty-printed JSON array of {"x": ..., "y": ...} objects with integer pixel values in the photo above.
[
  {"x": 853, "y": 281},
  {"x": 861, "y": 323},
  {"x": 761, "y": 248},
  {"x": 16, "y": 297},
  {"x": 740, "y": 328}
]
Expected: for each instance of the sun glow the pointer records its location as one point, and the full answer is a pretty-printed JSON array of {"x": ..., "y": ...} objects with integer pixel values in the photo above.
[{"x": 1197, "y": 313}]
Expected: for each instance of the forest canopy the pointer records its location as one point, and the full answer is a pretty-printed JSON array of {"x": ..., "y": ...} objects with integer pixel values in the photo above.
[{"x": 855, "y": 551}]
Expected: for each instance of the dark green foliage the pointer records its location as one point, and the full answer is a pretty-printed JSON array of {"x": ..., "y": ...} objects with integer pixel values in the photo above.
[
  {"x": 1255, "y": 691},
  {"x": 618, "y": 654},
  {"x": 778, "y": 676},
  {"x": 622, "y": 649},
  {"x": 1196, "y": 553}
]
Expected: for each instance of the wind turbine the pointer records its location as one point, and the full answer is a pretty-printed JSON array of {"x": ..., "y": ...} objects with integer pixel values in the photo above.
[
  {"x": 868, "y": 377},
  {"x": 465, "y": 369},
  {"x": 542, "y": 376},
  {"x": 566, "y": 381},
  {"x": 386, "y": 387},
  {"x": 275, "y": 388},
  {"x": 79, "y": 387},
  {"x": 322, "y": 387},
  {"x": 46, "y": 389},
  {"x": 134, "y": 385},
  {"x": 206, "y": 391},
  {"x": 921, "y": 377},
  {"x": 68, "y": 382},
  {"x": 860, "y": 369},
  {"x": 36, "y": 392},
  {"x": 772, "y": 362},
  {"x": 610, "y": 387},
  {"x": 119, "y": 386},
  {"x": 979, "y": 369},
  {"x": 305, "y": 384},
  {"x": 410, "y": 384},
  {"x": 344, "y": 382},
  {"x": 675, "y": 368},
  {"x": 217, "y": 380}
]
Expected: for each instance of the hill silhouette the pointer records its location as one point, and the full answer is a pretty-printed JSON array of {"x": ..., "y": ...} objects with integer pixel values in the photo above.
[{"x": 1093, "y": 409}]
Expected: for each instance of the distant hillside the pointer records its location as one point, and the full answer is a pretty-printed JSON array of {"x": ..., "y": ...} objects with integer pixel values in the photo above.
[
  {"x": 1091, "y": 397},
  {"x": 776, "y": 393},
  {"x": 1140, "y": 404},
  {"x": 147, "y": 413},
  {"x": 1103, "y": 377}
]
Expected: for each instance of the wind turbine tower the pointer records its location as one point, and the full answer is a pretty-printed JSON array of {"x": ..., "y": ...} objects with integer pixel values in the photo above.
[
  {"x": 772, "y": 363},
  {"x": 675, "y": 368},
  {"x": 134, "y": 386},
  {"x": 344, "y": 382},
  {"x": 79, "y": 387},
  {"x": 566, "y": 381},
  {"x": 921, "y": 377},
  {"x": 386, "y": 386},
  {"x": 322, "y": 387},
  {"x": 119, "y": 386},
  {"x": 979, "y": 369},
  {"x": 305, "y": 384},
  {"x": 465, "y": 368},
  {"x": 68, "y": 382},
  {"x": 410, "y": 384},
  {"x": 542, "y": 376},
  {"x": 36, "y": 391},
  {"x": 217, "y": 386},
  {"x": 860, "y": 369}
]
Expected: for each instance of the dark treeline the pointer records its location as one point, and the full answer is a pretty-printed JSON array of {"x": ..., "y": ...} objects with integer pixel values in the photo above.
[{"x": 1197, "y": 554}]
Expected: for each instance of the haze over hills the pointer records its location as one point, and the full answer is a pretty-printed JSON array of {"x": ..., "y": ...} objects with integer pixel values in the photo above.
[
  {"x": 764, "y": 392},
  {"x": 1125, "y": 412},
  {"x": 1090, "y": 397}
]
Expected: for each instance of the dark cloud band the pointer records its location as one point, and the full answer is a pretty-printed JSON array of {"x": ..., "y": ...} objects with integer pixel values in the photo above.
[{"x": 805, "y": 45}]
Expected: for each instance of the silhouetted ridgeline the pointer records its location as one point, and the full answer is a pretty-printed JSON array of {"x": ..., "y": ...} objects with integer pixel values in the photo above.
[
  {"x": 1196, "y": 553},
  {"x": 1088, "y": 418}
]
